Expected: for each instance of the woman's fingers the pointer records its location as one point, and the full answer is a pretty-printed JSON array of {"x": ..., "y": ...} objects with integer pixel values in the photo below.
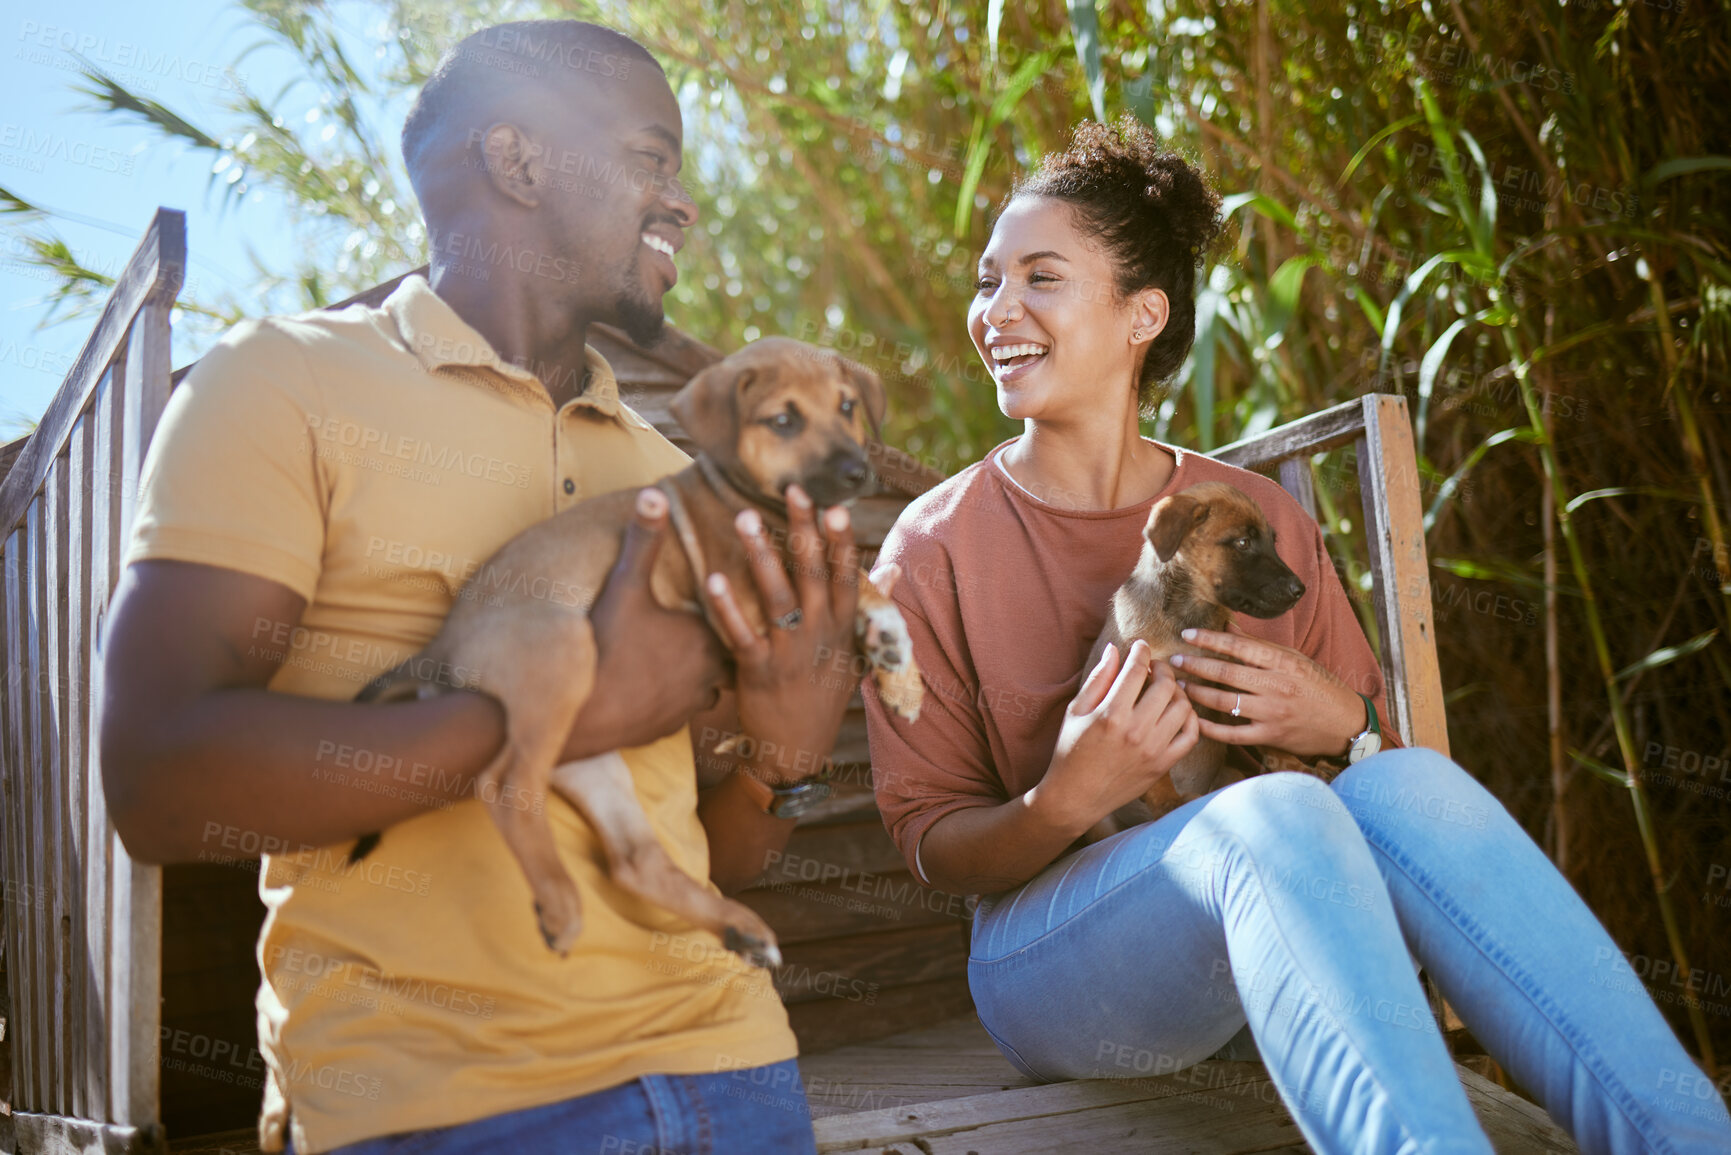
[
  {"x": 1254, "y": 734},
  {"x": 1127, "y": 686},
  {"x": 1223, "y": 700},
  {"x": 1098, "y": 681}
]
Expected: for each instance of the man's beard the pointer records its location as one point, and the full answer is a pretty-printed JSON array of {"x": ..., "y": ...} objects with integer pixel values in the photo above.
[{"x": 640, "y": 314}]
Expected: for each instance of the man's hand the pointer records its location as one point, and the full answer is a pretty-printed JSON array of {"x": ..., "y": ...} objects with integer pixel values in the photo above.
[
  {"x": 657, "y": 668},
  {"x": 791, "y": 699}
]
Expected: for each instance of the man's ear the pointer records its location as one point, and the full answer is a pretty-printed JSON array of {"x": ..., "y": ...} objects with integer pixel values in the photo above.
[
  {"x": 708, "y": 408},
  {"x": 508, "y": 162},
  {"x": 871, "y": 389},
  {"x": 1173, "y": 517}
]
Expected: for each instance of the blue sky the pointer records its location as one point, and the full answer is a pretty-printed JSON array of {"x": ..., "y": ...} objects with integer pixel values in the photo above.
[{"x": 109, "y": 175}]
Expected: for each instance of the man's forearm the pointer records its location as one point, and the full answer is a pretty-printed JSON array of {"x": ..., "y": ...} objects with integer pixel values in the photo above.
[
  {"x": 251, "y": 770},
  {"x": 742, "y": 836}
]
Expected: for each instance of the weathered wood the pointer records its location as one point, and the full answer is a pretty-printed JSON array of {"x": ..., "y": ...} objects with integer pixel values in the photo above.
[
  {"x": 1394, "y": 529},
  {"x": 9, "y": 454},
  {"x": 21, "y": 895},
  {"x": 135, "y": 888},
  {"x": 1337, "y": 425},
  {"x": 832, "y": 1023},
  {"x": 86, "y": 999},
  {"x": 57, "y": 1135},
  {"x": 55, "y": 494},
  {"x": 43, "y": 967},
  {"x": 802, "y": 912},
  {"x": 153, "y": 274},
  {"x": 99, "y": 837},
  {"x": 1295, "y": 478},
  {"x": 826, "y": 853},
  {"x": 861, "y": 968}
]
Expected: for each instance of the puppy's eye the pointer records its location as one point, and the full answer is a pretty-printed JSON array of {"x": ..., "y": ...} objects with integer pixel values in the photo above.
[
  {"x": 848, "y": 406},
  {"x": 1242, "y": 543},
  {"x": 787, "y": 422}
]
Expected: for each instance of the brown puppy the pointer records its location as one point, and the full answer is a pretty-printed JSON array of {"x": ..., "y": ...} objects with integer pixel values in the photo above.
[
  {"x": 776, "y": 413},
  {"x": 1208, "y": 551}
]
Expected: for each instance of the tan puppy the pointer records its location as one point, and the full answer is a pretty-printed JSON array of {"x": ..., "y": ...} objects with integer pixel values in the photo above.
[
  {"x": 776, "y": 413},
  {"x": 1208, "y": 551}
]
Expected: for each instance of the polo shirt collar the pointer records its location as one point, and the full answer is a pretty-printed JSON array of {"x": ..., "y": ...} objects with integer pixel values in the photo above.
[{"x": 433, "y": 332}]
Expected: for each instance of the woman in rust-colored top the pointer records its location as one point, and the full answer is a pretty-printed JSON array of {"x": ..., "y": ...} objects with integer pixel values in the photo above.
[{"x": 1280, "y": 902}]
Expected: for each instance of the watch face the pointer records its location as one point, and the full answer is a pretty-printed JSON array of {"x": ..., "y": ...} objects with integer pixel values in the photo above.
[{"x": 1364, "y": 746}]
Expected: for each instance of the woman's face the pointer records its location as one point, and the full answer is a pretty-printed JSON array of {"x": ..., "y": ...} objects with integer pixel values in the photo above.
[{"x": 1048, "y": 320}]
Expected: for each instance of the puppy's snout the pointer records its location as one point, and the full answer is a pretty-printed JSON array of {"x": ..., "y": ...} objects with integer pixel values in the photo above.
[
  {"x": 849, "y": 469},
  {"x": 1294, "y": 588}
]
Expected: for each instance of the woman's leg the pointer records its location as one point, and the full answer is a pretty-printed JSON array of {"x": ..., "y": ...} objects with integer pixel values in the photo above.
[
  {"x": 1144, "y": 953},
  {"x": 1524, "y": 961}
]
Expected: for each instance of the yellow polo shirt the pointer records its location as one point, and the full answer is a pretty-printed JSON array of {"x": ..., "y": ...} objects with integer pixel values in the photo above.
[{"x": 371, "y": 460}]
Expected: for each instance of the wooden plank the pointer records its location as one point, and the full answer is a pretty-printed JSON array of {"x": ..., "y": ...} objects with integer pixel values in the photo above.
[
  {"x": 1055, "y": 1116},
  {"x": 9, "y": 454},
  {"x": 20, "y": 914},
  {"x": 43, "y": 968},
  {"x": 1511, "y": 1123},
  {"x": 153, "y": 274},
  {"x": 828, "y": 853},
  {"x": 866, "y": 967},
  {"x": 57, "y": 1135},
  {"x": 1394, "y": 529},
  {"x": 1296, "y": 479},
  {"x": 802, "y": 912},
  {"x": 239, "y": 1142},
  {"x": 86, "y": 999},
  {"x": 55, "y": 851},
  {"x": 1334, "y": 426},
  {"x": 832, "y": 1023},
  {"x": 103, "y": 570},
  {"x": 135, "y": 1001}
]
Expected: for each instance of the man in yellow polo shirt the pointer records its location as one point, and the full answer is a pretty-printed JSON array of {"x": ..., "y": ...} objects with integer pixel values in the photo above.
[{"x": 320, "y": 489}]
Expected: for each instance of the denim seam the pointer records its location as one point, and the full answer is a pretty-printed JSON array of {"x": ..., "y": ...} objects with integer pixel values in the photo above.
[
  {"x": 1498, "y": 957},
  {"x": 1051, "y": 930},
  {"x": 661, "y": 1110}
]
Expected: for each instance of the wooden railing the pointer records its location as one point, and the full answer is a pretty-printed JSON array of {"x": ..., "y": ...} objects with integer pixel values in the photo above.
[
  {"x": 1388, "y": 483},
  {"x": 82, "y": 920}
]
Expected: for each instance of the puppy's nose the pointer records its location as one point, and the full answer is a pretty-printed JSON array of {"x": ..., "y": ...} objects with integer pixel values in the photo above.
[
  {"x": 850, "y": 470},
  {"x": 1294, "y": 588}
]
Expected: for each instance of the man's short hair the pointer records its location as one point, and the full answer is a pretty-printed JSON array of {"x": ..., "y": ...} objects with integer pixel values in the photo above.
[{"x": 486, "y": 65}]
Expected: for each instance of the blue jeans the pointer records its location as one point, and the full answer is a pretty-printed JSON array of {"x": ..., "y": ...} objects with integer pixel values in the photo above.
[
  {"x": 748, "y": 1112},
  {"x": 1292, "y": 906}
]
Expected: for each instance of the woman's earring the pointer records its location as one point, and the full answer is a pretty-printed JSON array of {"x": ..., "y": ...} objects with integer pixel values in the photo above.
[{"x": 1136, "y": 334}]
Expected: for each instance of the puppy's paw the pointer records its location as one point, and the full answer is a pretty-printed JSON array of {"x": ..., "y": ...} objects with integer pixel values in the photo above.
[
  {"x": 882, "y": 633},
  {"x": 756, "y": 944}
]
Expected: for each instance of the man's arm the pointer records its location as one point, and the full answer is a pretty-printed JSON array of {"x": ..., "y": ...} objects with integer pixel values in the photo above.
[{"x": 195, "y": 749}]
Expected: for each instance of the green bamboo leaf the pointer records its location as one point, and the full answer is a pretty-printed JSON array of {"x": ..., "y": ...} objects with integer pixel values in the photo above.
[
  {"x": 1447, "y": 489},
  {"x": 994, "y": 17},
  {"x": 11, "y": 202},
  {"x": 1427, "y": 371},
  {"x": 979, "y": 142},
  {"x": 1382, "y": 135},
  {"x": 1368, "y": 306},
  {"x": 1484, "y": 224},
  {"x": 1266, "y": 205},
  {"x": 1597, "y": 767},
  {"x": 1209, "y": 305},
  {"x": 1085, "y": 27},
  {"x": 1669, "y": 654},
  {"x": 115, "y": 97},
  {"x": 1284, "y": 288},
  {"x": 1682, "y": 166},
  {"x": 1633, "y": 490},
  {"x": 1495, "y": 571}
]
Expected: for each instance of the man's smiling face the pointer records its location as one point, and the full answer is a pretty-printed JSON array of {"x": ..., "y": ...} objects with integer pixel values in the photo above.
[{"x": 611, "y": 197}]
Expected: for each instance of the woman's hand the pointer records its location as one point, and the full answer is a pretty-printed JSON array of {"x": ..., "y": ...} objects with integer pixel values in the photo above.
[
  {"x": 1284, "y": 698},
  {"x": 1121, "y": 735},
  {"x": 790, "y": 701}
]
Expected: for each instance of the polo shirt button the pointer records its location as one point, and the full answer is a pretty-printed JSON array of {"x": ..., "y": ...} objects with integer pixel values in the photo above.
[{"x": 570, "y": 486}]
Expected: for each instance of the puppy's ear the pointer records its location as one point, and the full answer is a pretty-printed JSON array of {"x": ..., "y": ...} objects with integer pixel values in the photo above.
[
  {"x": 708, "y": 408},
  {"x": 1173, "y": 517},
  {"x": 871, "y": 390}
]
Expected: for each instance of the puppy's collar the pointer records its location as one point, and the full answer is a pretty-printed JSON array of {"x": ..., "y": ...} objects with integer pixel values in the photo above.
[{"x": 737, "y": 498}]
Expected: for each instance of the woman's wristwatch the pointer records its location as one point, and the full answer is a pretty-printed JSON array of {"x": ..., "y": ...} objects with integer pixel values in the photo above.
[
  {"x": 789, "y": 801},
  {"x": 1369, "y": 741}
]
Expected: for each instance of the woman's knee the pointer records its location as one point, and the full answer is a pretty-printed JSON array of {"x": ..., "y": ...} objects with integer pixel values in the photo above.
[
  {"x": 1284, "y": 802},
  {"x": 1415, "y": 782}
]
